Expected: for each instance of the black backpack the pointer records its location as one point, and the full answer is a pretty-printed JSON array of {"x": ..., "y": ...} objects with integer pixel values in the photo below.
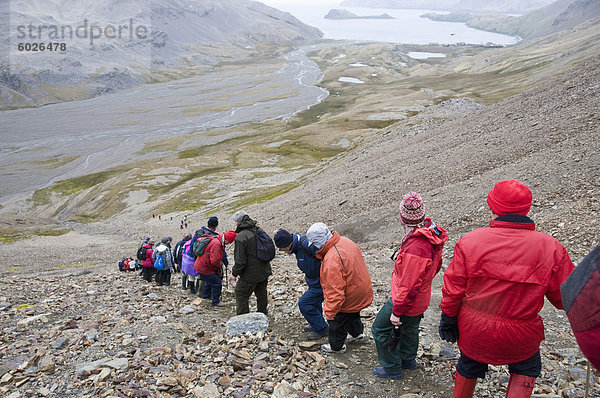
[
  {"x": 141, "y": 252},
  {"x": 265, "y": 248}
]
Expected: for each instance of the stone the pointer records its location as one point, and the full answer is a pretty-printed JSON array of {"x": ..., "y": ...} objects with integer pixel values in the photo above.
[
  {"x": 309, "y": 345},
  {"x": 103, "y": 375},
  {"x": 168, "y": 381},
  {"x": 210, "y": 390},
  {"x": 46, "y": 364},
  {"x": 284, "y": 390},
  {"x": 28, "y": 321},
  {"x": 252, "y": 323},
  {"x": 60, "y": 343},
  {"x": 118, "y": 364},
  {"x": 158, "y": 319},
  {"x": 447, "y": 352},
  {"x": 188, "y": 309}
]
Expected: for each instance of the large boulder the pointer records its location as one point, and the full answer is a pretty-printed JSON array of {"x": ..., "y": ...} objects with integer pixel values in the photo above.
[{"x": 253, "y": 323}]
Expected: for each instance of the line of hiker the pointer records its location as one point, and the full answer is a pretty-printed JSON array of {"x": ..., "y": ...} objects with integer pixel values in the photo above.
[{"x": 493, "y": 289}]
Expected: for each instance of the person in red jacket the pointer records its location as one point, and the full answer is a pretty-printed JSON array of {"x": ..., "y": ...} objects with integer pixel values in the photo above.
[
  {"x": 346, "y": 284},
  {"x": 210, "y": 266},
  {"x": 494, "y": 289},
  {"x": 418, "y": 260},
  {"x": 147, "y": 264}
]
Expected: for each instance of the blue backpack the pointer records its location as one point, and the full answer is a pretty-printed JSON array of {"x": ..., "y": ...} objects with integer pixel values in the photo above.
[{"x": 159, "y": 263}]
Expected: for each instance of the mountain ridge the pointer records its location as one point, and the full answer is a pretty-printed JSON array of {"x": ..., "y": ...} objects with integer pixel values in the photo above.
[{"x": 180, "y": 38}]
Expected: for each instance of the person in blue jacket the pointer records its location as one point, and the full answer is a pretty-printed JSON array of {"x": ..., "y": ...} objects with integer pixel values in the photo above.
[{"x": 311, "y": 302}]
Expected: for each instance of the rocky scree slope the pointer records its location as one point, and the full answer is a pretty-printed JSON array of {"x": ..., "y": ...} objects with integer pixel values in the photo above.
[{"x": 548, "y": 137}]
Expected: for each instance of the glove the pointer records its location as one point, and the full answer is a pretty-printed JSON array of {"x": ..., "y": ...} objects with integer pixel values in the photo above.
[
  {"x": 448, "y": 328},
  {"x": 393, "y": 339}
]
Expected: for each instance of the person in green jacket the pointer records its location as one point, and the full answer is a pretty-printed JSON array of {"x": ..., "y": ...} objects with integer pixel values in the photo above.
[{"x": 250, "y": 274}]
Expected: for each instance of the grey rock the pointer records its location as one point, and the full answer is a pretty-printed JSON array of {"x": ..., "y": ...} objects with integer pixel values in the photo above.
[
  {"x": 119, "y": 363},
  {"x": 284, "y": 390},
  {"x": 60, "y": 343},
  {"x": 188, "y": 309},
  {"x": 447, "y": 352},
  {"x": 253, "y": 323}
]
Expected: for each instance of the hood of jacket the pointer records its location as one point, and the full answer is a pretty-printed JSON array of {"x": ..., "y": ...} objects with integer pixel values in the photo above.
[
  {"x": 161, "y": 247},
  {"x": 335, "y": 238},
  {"x": 246, "y": 223},
  {"x": 431, "y": 235}
]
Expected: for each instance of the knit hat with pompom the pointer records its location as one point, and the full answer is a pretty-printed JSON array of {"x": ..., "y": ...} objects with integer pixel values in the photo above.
[{"x": 412, "y": 211}]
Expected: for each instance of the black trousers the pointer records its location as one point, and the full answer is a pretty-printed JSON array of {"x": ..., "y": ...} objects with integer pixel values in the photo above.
[
  {"x": 341, "y": 325},
  {"x": 243, "y": 291},
  {"x": 471, "y": 369},
  {"x": 147, "y": 274}
]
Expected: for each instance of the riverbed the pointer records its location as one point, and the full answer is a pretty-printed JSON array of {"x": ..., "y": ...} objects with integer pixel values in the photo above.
[{"x": 43, "y": 145}]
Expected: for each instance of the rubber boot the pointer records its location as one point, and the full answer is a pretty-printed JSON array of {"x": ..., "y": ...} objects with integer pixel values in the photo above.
[
  {"x": 199, "y": 287},
  {"x": 463, "y": 387},
  {"x": 193, "y": 287},
  {"x": 183, "y": 281},
  {"x": 520, "y": 386}
]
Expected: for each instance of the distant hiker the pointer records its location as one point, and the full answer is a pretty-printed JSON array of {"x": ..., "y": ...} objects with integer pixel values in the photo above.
[
  {"x": 159, "y": 216},
  {"x": 163, "y": 262},
  {"x": 210, "y": 266},
  {"x": 311, "y": 302},
  {"x": 252, "y": 274},
  {"x": 346, "y": 283},
  {"x": 147, "y": 262},
  {"x": 494, "y": 289},
  {"x": 581, "y": 298},
  {"x": 189, "y": 274},
  {"x": 177, "y": 252},
  {"x": 153, "y": 216},
  {"x": 417, "y": 261}
]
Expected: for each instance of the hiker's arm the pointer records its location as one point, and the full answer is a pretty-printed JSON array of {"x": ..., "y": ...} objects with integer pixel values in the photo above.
[{"x": 240, "y": 256}]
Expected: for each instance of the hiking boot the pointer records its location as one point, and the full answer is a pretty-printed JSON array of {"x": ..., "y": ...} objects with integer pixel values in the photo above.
[
  {"x": 308, "y": 328},
  {"x": 380, "y": 371},
  {"x": 410, "y": 364},
  {"x": 221, "y": 304},
  {"x": 316, "y": 336},
  {"x": 361, "y": 338},
  {"x": 327, "y": 348}
]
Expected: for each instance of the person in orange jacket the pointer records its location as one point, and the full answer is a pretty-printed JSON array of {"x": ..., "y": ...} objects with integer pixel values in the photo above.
[
  {"x": 494, "y": 289},
  {"x": 346, "y": 283},
  {"x": 419, "y": 259}
]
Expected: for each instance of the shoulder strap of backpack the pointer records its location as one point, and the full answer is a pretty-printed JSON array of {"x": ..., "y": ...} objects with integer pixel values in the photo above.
[{"x": 304, "y": 249}]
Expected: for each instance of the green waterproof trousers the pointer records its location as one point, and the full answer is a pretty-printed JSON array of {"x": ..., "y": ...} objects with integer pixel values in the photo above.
[{"x": 409, "y": 342}]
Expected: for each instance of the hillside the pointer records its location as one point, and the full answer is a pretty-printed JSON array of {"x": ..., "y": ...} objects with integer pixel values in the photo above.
[
  {"x": 559, "y": 16},
  {"x": 82, "y": 328},
  {"x": 450, "y": 128},
  {"x": 477, "y": 6},
  {"x": 112, "y": 45}
]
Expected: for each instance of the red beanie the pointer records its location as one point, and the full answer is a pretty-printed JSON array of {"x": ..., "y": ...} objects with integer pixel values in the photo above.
[
  {"x": 229, "y": 236},
  {"x": 510, "y": 197}
]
